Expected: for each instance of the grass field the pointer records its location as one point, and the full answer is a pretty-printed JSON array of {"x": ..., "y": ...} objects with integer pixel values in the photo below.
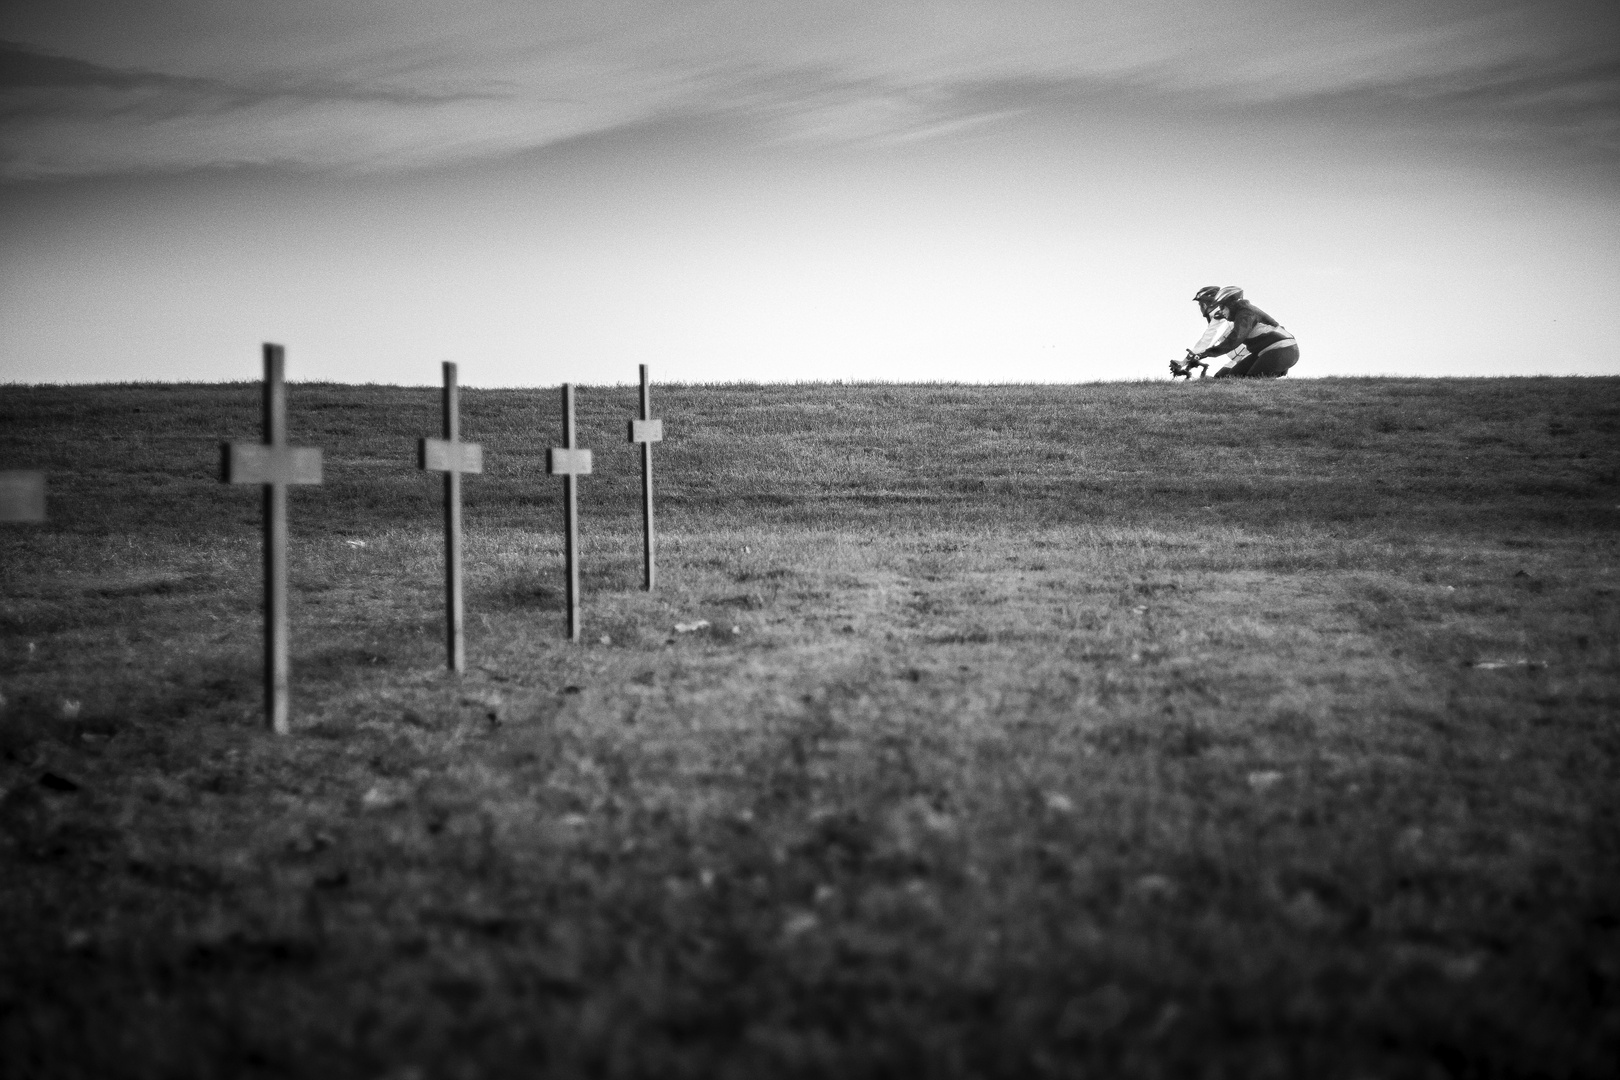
[{"x": 1137, "y": 730}]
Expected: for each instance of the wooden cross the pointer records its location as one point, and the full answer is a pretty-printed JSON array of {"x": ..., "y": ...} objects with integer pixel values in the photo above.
[
  {"x": 570, "y": 463},
  {"x": 646, "y": 431},
  {"x": 452, "y": 457},
  {"x": 273, "y": 465},
  {"x": 22, "y": 496}
]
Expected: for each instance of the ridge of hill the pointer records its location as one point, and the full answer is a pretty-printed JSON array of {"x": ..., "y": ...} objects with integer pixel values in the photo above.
[{"x": 1511, "y": 453}]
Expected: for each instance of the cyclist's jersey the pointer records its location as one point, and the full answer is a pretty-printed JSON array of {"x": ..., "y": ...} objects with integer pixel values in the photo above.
[{"x": 1249, "y": 327}]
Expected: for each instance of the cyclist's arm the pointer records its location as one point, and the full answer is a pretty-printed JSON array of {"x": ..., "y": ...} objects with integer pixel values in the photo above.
[{"x": 1242, "y": 323}]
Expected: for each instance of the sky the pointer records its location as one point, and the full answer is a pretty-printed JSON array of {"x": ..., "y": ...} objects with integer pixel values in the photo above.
[{"x": 781, "y": 190}]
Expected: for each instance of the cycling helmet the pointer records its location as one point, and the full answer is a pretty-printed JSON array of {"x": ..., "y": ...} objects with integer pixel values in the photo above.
[
  {"x": 1229, "y": 295},
  {"x": 1206, "y": 295}
]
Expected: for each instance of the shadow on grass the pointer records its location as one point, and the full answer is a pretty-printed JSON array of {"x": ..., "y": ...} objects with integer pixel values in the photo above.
[{"x": 523, "y": 593}]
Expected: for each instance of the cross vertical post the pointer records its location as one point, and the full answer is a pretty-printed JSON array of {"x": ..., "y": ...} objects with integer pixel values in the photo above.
[
  {"x": 570, "y": 462},
  {"x": 647, "y": 431},
  {"x": 22, "y": 496},
  {"x": 273, "y": 465},
  {"x": 452, "y": 457},
  {"x": 277, "y": 643}
]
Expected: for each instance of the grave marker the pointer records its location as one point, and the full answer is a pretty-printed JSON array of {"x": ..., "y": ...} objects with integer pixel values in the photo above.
[
  {"x": 646, "y": 431},
  {"x": 273, "y": 465},
  {"x": 452, "y": 457},
  {"x": 570, "y": 463},
  {"x": 22, "y": 495}
]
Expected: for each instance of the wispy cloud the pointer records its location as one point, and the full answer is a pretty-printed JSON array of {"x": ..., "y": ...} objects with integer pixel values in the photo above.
[
  {"x": 66, "y": 117},
  {"x": 92, "y": 87},
  {"x": 1573, "y": 103}
]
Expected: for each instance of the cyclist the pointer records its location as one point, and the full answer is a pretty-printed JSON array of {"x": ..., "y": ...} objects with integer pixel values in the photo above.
[
  {"x": 1205, "y": 299},
  {"x": 1271, "y": 349}
]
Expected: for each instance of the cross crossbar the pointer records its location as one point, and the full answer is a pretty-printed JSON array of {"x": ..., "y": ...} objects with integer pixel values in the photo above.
[
  {"x": 257, "y": 463},
  {"x": 22, "y": 495},
  {"x": 645, "y": 431},
  {"x": 564, "y": 461},
  {"x": 442, "y": 455}
]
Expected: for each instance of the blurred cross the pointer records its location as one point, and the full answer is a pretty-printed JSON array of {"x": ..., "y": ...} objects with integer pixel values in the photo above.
[
  {"x": 570, "y": 463},
  {"x": 646, "y": 431},
  {"x": 273, "y": 465},
  {"x": 22, "y": 496},
  {"x": 452, "y": 457}
]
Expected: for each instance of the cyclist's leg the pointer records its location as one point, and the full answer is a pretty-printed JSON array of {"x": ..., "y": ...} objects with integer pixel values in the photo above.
[
  {"x": 1243, "y": 367},
  {"x": 1273, "y": 363}
]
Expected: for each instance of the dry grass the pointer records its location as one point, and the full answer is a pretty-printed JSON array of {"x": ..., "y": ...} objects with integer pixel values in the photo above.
[{"x": 1119, "y": 730}]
